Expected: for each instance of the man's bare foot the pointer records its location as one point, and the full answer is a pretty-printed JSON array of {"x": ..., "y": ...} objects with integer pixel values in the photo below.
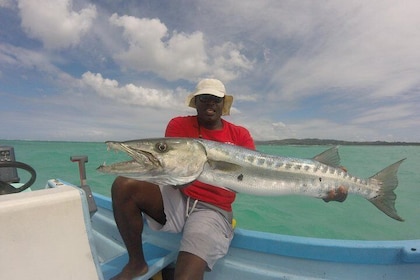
[
  {"x": 339, "y": 194},
  {"x": 131, "y": 271}
]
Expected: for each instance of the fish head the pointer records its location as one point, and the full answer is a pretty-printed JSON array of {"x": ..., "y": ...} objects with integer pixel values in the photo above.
[{"x": 163, "y": 161}]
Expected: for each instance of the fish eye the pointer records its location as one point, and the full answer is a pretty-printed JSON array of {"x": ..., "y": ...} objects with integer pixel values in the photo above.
[{"x": 161, "y": 147}]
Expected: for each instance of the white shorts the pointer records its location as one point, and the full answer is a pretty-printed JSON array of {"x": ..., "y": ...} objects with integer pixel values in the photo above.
[{"x": 206, "y": 232}]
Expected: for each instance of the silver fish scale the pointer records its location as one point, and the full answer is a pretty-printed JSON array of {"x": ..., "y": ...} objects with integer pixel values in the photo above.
[{"x": 278, "y": 175}]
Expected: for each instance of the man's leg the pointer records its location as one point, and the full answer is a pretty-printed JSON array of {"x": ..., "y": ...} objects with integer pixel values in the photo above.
[
  {"x": 129, "y": 199},
  {"x": 206, "y": 238},
  {"x": 189, "y": 267}
]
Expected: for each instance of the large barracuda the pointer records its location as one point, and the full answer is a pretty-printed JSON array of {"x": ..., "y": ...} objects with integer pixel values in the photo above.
[{"x": 179, "y": 161}]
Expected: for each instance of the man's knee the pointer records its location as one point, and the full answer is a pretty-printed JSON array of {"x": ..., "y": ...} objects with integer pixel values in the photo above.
[
  {"x": 118, "y": 185},
  {"x": 189, "y": 266},
  {"x": 124, "y": 189}
]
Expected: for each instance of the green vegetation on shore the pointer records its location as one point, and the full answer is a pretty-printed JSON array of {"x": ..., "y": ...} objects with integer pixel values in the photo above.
[{"x": 315, "y": 141}]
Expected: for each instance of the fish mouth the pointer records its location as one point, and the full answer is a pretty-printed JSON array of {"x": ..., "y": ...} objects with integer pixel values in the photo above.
[
  {"x": 124, "y": 167},
  {"x": 137, "y": 155}
]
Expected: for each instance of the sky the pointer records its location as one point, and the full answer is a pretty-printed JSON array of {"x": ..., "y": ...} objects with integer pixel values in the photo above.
[{"x": 78, "y": 70}]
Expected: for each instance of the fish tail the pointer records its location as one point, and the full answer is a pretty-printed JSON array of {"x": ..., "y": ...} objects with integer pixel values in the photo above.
[{"x": 387, "y": 181}]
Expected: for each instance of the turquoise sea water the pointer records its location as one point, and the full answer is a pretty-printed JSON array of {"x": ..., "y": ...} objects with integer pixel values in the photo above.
[{"x": 356, "y": 218}]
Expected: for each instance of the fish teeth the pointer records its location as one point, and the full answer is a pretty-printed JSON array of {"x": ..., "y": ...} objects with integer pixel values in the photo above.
[{"x": 109, "y": 148}]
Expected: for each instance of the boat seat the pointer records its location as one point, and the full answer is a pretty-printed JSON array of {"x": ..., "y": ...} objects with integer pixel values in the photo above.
[{"x": 46, "y": 234}]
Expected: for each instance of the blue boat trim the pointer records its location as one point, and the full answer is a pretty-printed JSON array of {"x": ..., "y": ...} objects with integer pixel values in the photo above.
[
  {"x": 331, "y": 250},
  {"x": 260, "y": 255}
]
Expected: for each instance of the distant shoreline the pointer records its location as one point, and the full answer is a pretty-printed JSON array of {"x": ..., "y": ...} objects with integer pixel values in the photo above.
[
  {"x": 289, "y": 141},
  {"x": 315, "y": 141}
]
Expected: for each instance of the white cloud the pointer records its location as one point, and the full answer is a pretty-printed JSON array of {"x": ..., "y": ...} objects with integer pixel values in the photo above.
[
  {"x": 346, "y": 70},
  {"x": 265, "y": 129},
  {"x": 228, "y": 61},
  {"x": 152, "y": 49},
  {"x": 175, "y": 55},
  {"x": 6, "y": 3},
  {"x": 131, "y": 94},
  {"x": 25, "y": 61},
  {"x": 359, "y": 47},
  {"x": 386, "y": 114},
  {"x": 25, "y": 58},
  {"x": 54, "y": 22},
  {"x": 329, "y": 129}
]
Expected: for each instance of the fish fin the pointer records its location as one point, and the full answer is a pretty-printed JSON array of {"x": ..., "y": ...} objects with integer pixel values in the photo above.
[
  {"x": 329, "y": 157},
  {"x": 223, "y": 165},
  {"x": 387, "y": 180}
]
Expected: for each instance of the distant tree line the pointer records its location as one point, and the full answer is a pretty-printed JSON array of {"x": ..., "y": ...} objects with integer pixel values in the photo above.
[{"x": 315, "y": 141}]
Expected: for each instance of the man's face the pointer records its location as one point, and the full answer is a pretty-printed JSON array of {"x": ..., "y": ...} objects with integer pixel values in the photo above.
[{"x": 209, "y": 107}]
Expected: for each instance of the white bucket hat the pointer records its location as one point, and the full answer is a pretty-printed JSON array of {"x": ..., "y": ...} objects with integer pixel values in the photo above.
[{"x": 213, "y": 87}]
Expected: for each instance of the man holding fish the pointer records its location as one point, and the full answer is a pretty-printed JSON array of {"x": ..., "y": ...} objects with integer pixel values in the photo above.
[{"x": 201, "y": 211}]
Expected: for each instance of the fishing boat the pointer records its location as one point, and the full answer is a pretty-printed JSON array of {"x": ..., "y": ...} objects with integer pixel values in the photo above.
[{"x": 64, "y": 231}]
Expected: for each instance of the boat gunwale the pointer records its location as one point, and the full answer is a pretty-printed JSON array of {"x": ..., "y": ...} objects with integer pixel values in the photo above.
[{"x": 318, "y": 249}]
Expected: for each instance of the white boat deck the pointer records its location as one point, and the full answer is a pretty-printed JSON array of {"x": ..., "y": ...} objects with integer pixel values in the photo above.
[{"x": 49, "y": 234}]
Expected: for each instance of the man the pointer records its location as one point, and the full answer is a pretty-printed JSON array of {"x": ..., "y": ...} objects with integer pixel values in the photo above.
[
  {"x": 206, "y": 225},
  {"x": 201, "y": 211}
]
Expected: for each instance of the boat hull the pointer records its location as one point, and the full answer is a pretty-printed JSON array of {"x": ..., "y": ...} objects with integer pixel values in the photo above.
[{"x": 263, "y": 256}]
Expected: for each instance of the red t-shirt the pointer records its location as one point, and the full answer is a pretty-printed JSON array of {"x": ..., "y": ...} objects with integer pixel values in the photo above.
[{"x": 231, "y": 134}]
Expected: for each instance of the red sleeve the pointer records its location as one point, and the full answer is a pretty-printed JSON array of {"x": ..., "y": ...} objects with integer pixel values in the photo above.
[
  {"x": 182, "y": 127},
  {"x": 173, "y": 129},
  {"x": 246, "y": 139},
  {"x": 241, "y": 136}
]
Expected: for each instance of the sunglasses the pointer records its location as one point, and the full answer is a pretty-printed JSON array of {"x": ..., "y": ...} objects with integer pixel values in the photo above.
[{"x": 206, "y": 98}]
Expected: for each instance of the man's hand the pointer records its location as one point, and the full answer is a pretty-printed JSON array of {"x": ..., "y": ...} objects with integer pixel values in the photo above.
[{"x": 339, "y": 194}]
